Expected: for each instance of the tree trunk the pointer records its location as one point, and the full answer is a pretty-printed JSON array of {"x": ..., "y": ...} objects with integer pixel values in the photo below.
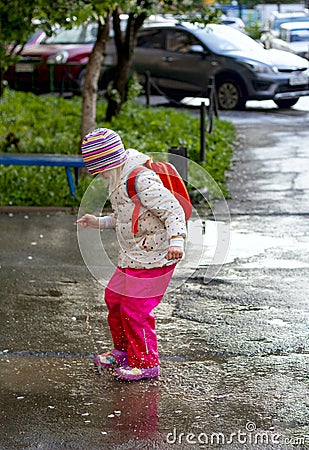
[
  {"x": 117, "y": 94},
  {"x": 92, "y": 75}
]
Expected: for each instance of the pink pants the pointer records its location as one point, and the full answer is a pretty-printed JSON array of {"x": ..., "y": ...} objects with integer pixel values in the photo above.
[{"x": 131, "y": 295}]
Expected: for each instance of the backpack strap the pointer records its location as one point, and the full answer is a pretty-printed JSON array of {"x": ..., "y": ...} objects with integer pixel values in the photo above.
[
  {"x": 132, "y": 193},
  {"x": 165, "y": 171}
]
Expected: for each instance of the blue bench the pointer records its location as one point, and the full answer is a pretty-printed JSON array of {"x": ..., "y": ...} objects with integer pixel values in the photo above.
[{"x": 44, "y": 159}]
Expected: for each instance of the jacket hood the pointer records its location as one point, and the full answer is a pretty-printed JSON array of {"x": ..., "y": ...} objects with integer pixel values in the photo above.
[{"x": 134, "y": 159}]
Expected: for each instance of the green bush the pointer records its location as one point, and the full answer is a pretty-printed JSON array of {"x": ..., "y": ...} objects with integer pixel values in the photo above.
[
  {"x": 254, "y": 30},
  {"x": 48, "y": 124}
]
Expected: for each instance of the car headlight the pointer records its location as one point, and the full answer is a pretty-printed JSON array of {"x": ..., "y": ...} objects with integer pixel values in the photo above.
[
  {"x": 260, "y": 67},
  {"x": 60, "y": 57}
]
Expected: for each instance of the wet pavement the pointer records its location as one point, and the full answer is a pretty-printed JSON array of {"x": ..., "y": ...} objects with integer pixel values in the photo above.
[{"x": 234, "y": 350}]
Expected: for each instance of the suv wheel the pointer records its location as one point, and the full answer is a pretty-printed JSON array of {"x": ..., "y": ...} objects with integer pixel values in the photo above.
[
  {"x": 286, "y": 103},
  {"x": 230, "y": 95}
]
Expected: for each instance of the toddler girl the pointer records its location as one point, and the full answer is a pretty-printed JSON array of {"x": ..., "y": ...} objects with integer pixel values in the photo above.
[{"x": 146, "y": 258}]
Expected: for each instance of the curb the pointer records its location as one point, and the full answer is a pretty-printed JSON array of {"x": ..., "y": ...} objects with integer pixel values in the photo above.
[{"x": 38, "y": 209}]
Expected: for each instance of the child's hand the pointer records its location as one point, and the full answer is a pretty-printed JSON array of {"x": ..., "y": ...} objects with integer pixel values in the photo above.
[
  {"x": 174, "y": 252},
  {"x": 88, "y": 220}
]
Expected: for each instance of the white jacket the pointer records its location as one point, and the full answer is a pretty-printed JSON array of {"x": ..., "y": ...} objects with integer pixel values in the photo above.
[{"x": 161, "y": 217}]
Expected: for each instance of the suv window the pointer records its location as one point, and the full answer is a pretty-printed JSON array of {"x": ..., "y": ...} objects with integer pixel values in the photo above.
[
  {"x": 178, "y": 41},
  {"x": 150, "y": 39}
]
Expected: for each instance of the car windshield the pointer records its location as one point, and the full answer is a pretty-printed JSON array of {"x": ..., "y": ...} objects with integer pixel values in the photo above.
[
  {"x": 222, "y": 39},
  {"x": 300, "y": 35},
  {"x": 85, "y": 34}
]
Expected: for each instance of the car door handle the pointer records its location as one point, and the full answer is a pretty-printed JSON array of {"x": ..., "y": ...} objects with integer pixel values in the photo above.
[{"x": 168, "y": 59}]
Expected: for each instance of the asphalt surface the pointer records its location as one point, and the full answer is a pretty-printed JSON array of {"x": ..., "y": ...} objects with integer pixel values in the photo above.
[{"x": 234, "y": 349}]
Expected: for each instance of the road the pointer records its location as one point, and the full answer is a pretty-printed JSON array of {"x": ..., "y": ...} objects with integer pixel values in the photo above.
[{"x": 234, "y": 351}]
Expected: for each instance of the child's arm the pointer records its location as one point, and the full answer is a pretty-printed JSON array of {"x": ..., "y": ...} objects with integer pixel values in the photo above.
[{"x": 89, "y": 220}]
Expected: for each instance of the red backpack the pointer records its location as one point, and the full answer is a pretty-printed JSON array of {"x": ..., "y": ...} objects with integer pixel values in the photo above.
[{"x": 171, "y": 180}]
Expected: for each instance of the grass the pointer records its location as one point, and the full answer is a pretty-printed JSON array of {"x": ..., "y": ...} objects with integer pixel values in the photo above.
[{"x": 48, "y": 124}]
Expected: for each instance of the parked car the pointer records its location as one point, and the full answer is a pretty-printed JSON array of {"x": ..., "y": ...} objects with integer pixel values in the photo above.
[
  {"x": 276, "y": 19},
  {"x": 293, "y": 37},
  {"x": 181, "y": 59},
  {"x": 56, "y": 63}
]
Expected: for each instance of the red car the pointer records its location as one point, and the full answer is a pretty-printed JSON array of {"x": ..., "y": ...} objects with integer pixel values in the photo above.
[{"x": 56, "y": 63}]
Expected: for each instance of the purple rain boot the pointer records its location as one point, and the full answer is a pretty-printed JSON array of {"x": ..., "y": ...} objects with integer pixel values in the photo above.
[
  {"x": 111, "y": 359},
  {"x": 134, "y": 373}
]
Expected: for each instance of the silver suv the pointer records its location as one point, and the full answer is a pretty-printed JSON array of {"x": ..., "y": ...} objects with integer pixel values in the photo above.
[{"x": 181, "y": 58}]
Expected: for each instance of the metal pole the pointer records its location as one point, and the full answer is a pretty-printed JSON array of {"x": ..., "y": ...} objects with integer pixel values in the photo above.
[
  {"x": 213, "y": 95},
  {"x": 178, "y": 157},
  {"x": 147, "y": 87},
  {"x": 202, "y": 132},
  {"x": 51, "y": 78}
]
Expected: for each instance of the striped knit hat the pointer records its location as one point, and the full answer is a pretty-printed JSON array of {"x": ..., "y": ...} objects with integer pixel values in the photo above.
[{"x": 102, "y": 149}]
